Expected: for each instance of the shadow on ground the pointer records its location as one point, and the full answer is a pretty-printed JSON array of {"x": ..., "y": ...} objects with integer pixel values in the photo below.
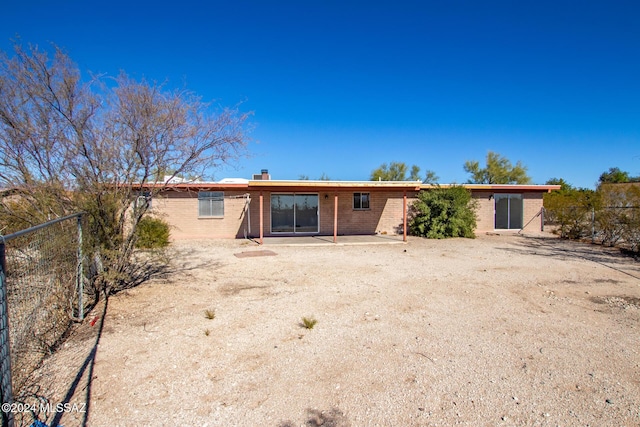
[
  {"x": 87, "y": 367},
  {"x": 37, "y": 394},
  {"x": 315, "y": 418},
  {"x": 612, "y": 258},
  {"x": 156, "y": 265}
]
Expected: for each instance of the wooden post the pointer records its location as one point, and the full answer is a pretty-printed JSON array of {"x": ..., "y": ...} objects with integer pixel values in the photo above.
[
  {"x": 404, "y": 217},
  {"x": 335, "y": 219},
  {"x": 261, "y": 220}
]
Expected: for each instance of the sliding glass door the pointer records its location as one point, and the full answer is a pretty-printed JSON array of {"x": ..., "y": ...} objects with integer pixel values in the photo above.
[
  {"x": 508, "y": 211},
  {"x": 282, "y": 213},
  {"x": 294, "y": 213}
]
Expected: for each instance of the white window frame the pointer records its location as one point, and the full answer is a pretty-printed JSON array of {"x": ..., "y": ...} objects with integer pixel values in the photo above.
[
  {"x": 360, "y": 200},
  {"x": 208, "y": 200}
]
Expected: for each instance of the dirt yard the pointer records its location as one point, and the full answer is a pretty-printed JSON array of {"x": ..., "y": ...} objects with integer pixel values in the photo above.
[{"x": 500, "y": 330}]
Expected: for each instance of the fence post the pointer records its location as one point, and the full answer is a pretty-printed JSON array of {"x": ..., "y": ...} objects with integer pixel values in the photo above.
[
  {"x": 593, "y": 224},
  {"x": 80, "y": 273},
  {"x": 6, "y": 392},
  {"x": 542, "y": 218}
]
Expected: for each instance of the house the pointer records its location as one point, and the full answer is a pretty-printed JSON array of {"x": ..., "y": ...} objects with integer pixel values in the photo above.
[{"x": 262, "y": 207}]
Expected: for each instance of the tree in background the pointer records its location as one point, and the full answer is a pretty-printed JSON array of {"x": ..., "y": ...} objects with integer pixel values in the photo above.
[
  {"x": 615, "y": 175},
  {"x": 323, "y": 177},
  {"x": 394, "y": 171},
  {"x": 564, "y": 185},
  {"x": 69, "y": 145},
  {"x": 498, "y": 170},
  {"x": 415, "y": 173},
  {"x": 430, "y": 177},
  {"x": 444, "y": 212},
  {"x": 397, "y": 171}
]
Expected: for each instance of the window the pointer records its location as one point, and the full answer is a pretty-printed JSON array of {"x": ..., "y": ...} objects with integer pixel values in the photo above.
[
  {"x": 211, "y": 204},
  {"x": 143, "y": 200},
  {"x": 360, "y": 200}
]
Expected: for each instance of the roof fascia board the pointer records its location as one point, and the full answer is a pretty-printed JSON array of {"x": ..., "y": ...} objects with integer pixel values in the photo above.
[
  {"x": 337, "y": 185},
  {"x": 194, "y": 186},
  {"x": 498, "y": 187},
  {"x": 407, "y": 185}
]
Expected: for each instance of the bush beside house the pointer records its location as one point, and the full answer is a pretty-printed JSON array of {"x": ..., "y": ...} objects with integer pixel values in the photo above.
[
  {"x": 444, "y": 212},
  {"x": 152, "y": 233}
]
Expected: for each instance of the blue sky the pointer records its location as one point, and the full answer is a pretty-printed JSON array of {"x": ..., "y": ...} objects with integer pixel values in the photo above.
[{"x": 339, "y": 87}]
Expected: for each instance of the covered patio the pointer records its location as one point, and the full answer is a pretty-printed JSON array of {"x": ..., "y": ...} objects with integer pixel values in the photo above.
[{"x": 322, "y": 212}]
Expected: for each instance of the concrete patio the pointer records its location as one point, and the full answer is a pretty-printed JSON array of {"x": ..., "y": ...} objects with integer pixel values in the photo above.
[{"x": 377, "y": 239}]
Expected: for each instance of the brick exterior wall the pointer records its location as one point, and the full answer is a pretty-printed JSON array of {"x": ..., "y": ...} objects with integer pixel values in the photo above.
[
  {"x": 485, "y": 211},
  {"x": 532, "y": 206},
  {"x": 532, "y": 203},
  {"x": 384, "y": 215},
  {"x": 180, "y": 210}
]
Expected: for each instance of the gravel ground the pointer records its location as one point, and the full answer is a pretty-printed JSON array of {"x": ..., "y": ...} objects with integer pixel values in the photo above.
[{"x": 499, "y": 330}]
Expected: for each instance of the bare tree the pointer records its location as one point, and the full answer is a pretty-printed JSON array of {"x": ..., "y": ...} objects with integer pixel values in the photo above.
[{"x": 68, "y": 144}]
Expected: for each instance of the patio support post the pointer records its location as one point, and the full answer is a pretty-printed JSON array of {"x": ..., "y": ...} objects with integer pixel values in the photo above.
[
  {"x": 335, "y": 219},
  {"x": 404, "y": 217},
  {"x": 261, "y": 220}
]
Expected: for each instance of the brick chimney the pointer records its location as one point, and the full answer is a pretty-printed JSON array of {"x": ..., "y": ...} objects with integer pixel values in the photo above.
[{"x": 265, "y": 174}]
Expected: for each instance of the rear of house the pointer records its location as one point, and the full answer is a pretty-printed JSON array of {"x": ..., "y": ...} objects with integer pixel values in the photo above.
[{"x": 255, "y": 208}]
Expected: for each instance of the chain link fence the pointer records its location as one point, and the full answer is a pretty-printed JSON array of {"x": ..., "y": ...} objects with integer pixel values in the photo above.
[
  {"x": 606, "y": 225},
  {"x": 41, "y": 294},
  {"x": 617, "y": 226}
]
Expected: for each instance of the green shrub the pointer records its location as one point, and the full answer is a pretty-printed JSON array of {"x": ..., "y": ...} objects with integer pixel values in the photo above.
[
  {"x": 444, "y": 212},
  {"x": 631, "y": 234},
  {"x": 152, "y": 233},
  {"x": 571, "y": 210}
]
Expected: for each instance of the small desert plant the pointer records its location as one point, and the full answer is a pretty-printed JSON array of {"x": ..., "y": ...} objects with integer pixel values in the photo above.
[
  {"x": 207, "y": 332},
  {"x": 210, "y": 314},
  {"x": 309, "y": 322}
]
